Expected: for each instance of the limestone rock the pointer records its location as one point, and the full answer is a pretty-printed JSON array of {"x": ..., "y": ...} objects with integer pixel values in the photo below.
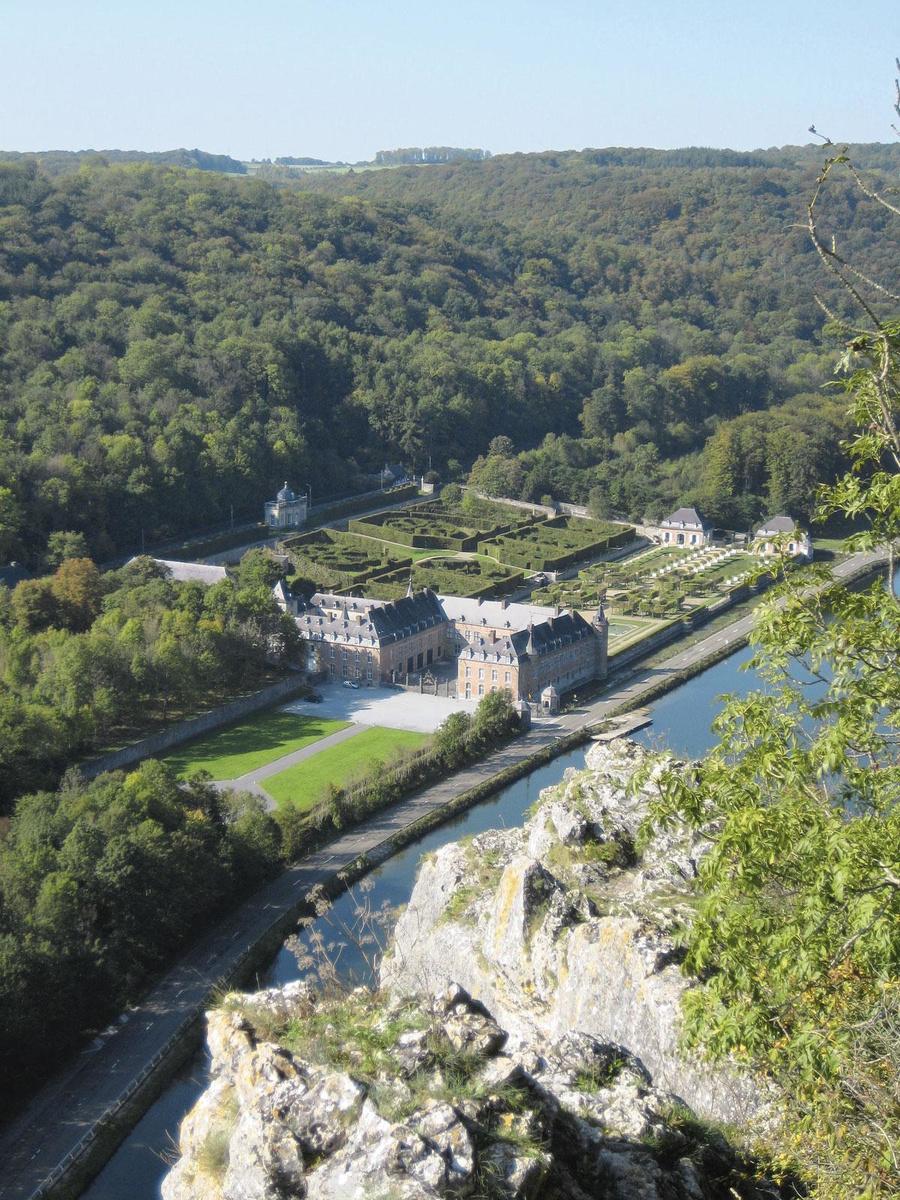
[
  {"x": 575, "y": 933},
  {"x": 523, "y": 1044}
]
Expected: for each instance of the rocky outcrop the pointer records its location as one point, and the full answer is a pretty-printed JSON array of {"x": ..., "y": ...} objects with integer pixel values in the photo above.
[
  {"x": 559, "y": 926},
  {"x": 523, "y": 1043},
  {"x": 367, "y": 1096}
]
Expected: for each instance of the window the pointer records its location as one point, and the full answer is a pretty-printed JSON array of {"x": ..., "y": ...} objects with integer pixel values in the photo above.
[
  {"x": 481, "y": 689},
  {"x": 481, "y": 676},
  {"x": 506, "y": 677},
  {"x": 493, "y": 676}
]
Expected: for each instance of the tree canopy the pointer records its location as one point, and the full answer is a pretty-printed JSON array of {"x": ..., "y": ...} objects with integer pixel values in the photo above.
[
  {"x": 176, "y": 342},
  {"x": 796, "y": 939}
]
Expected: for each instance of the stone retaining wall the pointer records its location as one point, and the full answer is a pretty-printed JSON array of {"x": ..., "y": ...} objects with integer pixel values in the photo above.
[{"x": 183, "y": 731}]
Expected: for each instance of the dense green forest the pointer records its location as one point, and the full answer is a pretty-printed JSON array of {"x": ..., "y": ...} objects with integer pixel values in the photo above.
[
  {"x": 99, "y": 884},
  {"x": 179, "y": 342},
  {"x": 59, "y": 162},
  {"x": 87, "y": 658}
]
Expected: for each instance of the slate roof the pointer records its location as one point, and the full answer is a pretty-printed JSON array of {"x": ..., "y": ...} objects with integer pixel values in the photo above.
[
  {"x": 494, "y": 612},
  {"x": 369, "y": 622},
  {"x": 535, "y": 641},
  {"x": 684, "y": 518},
  {"x": 399, "y": 619},
  {"x": 188, "y": 572},
  {"x": 779, "y": 524}
]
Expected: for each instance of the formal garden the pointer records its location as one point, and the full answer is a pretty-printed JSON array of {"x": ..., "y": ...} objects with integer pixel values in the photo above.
[
  {"x": 660, "y": 583},
  {"x": 455, "y": 544},
  {"x": 473, "y": 576},
  {"x": 443, "y": 524},
  {"x": 334, "y": 561},
  {"x": 557, "y": 542}
]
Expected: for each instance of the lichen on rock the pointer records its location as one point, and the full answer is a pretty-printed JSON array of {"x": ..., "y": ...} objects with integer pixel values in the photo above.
[{"x": 522, "y": 1043}]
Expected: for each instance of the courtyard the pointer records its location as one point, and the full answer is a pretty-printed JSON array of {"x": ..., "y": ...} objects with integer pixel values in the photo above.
[{"x": 389, "y": 708}]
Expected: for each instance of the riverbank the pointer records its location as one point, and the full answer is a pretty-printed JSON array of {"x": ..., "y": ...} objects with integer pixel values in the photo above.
[{"x": 55, "y": 1129}]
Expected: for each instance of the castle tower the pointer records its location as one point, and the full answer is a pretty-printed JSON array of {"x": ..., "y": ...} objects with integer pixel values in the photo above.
[{"x": 600, "y": 626}]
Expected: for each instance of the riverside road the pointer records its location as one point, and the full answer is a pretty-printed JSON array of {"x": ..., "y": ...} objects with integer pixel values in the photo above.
[{"x": 57, "y": 1120}]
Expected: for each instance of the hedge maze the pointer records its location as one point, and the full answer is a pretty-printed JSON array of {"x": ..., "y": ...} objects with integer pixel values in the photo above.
[
  {"x": 337, "y": 561},
  {"x": 484, "y": 549},
  {"x": 436, "y": 525},
  {"x": 556, "y": 543},
  {"x": 448, "y": 576}
]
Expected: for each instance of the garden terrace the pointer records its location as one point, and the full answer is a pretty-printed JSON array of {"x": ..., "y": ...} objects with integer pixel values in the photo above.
[
  {"x": 436, "y": 525},
  {"x": 659, "y": 583},
  {"x": 557, "y": 543},
  {"x": 336, "y": 560},
  {"x": 417, "y": 530},
  {"x": 447, "y": 576}
]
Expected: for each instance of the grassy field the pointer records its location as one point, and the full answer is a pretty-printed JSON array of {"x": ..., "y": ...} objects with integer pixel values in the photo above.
[
  {"x": 232, "y": 752},
  {"x": 303, "y": 784}
]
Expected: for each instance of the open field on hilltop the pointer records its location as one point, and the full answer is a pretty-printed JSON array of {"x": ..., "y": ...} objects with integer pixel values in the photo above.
[
  {"x": 261, "y": 739},
  {"x": 303, "y": 784}
]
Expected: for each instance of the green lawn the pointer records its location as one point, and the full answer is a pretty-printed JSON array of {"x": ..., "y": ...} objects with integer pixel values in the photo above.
[
  {"x": 304, "y": 783},
  {"x": 232, "y": 752}
]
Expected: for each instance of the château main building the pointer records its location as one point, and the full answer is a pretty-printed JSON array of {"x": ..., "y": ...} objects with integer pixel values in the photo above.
[{"x": 492, "y": 645}]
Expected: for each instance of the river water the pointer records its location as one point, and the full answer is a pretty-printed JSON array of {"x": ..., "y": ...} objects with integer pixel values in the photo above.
[{"x": 681, "y": 722}]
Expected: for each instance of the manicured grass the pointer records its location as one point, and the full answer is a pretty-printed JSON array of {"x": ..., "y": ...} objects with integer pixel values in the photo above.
[
  {"x": 303, "y": 784},
  {"x": 620, "y": 627},
  {"x": 232, "y": 752}
]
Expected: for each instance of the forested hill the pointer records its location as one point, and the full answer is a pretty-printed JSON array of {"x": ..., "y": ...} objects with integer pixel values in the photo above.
[
  {"x": 177, "y": 342},
  {"x": 59, "y": 162}
]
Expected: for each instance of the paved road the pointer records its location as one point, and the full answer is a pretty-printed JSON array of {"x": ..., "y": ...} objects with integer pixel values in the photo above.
[
  {"x": 61, "y": 1114},
  {"x": 252, "y": 780}
]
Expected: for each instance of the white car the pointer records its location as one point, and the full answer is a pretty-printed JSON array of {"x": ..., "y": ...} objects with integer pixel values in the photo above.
[{"x": 351, "y": 683}]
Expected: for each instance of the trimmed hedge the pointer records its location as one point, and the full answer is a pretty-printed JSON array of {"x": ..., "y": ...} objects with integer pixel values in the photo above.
[
  {"x": 452, "y": 577},
  {"x": 343, "y": 560},
  {"x": 391, "y": 526},
  {"x": 546, "y": 546},
  {"x": 352, "y": 504},
  {"x": 435, "y": 526}
]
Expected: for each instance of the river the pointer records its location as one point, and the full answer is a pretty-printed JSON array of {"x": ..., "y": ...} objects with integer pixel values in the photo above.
[{"x": 681, "y": 721}]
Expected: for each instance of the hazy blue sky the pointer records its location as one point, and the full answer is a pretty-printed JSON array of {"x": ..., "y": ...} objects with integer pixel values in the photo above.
[{"x": 344, "y": 78}]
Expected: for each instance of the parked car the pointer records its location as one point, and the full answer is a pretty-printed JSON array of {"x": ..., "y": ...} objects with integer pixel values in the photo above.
[
  {"x": 351, "y": 683},
  {"x": 314, "y": 698}
]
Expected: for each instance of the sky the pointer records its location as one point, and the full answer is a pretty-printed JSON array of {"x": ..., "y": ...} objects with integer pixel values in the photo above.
[{"x": 340, "y": 79}]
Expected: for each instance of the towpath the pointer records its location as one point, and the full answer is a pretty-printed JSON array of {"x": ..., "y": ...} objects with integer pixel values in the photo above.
[{"x": 87, "y": 1091}]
